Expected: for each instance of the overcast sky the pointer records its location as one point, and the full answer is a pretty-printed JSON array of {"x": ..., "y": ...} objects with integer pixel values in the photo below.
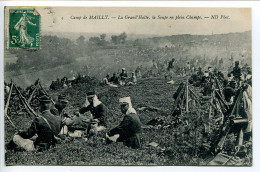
[{"x": 59, "y": 20}]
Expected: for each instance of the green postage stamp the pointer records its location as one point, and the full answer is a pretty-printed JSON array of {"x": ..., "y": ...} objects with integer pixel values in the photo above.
[{"x": 24, "y": 28}]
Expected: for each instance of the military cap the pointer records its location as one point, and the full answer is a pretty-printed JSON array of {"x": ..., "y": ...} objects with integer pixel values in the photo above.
[{"x": 91, "y": 94}]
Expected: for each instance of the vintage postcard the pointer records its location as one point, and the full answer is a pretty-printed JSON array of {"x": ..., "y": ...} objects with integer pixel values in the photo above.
[{"x": 128, "y": 86}]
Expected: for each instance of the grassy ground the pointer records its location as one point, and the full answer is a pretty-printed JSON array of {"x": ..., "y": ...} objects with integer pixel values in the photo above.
[{"x": 148, "y": 92}]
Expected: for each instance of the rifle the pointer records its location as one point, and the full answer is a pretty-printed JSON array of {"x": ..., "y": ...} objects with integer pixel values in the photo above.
[{"x": 228, "y": 123}]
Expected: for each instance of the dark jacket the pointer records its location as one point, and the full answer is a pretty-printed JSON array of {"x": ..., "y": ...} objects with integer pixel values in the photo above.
[
  {"x": 58, "y": 111},
  {"x": 123, "y": 76},
  {"x": 114, "y": 79},
  {"x": 236, "y": 72},
  {"x": 99, "y": 112},
  {"x": 128, "y": 130},
  {"x": 40, "y": 127}
]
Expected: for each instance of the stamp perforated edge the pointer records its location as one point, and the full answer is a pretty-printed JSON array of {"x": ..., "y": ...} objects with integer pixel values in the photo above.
[{"x": 7, "y": 33}]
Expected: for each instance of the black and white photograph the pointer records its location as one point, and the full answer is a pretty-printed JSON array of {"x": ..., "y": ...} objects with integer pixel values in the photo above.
[{"x": 127, "y": 86}]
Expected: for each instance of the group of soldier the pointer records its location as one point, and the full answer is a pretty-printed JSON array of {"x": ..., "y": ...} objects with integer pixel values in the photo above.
[
  {"x": 122, "y": 79},
  {"x": 53, "y": 124},
  {"x": 66, "y": 82}
]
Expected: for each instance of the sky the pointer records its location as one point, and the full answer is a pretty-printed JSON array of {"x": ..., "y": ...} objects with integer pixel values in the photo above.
[{"x": 62, "y": 19}]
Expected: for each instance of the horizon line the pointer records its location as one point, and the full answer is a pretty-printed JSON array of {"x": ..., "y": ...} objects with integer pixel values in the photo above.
[{"x": 149, "y": 34}]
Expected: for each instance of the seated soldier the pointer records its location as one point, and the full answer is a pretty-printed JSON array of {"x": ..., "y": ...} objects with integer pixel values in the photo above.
[
  {"x": 59, "y": 107},
  {"x": 59, "y": 110},
  {"x": 129, "y": 129},
  {"x": 123, "y": 76},
  {"x": 106, "y": 80},
  {"x": 132, "y": 80},
  {"x": 96, "y": 107},
  {"x": 46, "y": 126},
  {"x": 114, "y": 79}
]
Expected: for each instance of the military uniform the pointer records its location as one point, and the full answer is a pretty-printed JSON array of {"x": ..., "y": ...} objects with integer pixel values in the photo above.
[
  {"x": 128, "y": 131},
  {"x": 58, "y": 111},
  {"x": 237, "y": 73},
  {"x": 114, "y": 79},
  {"x": 45, "y": 130},
  {"x": 99, "y": 112},
  {"x": 77, "y": 123}
]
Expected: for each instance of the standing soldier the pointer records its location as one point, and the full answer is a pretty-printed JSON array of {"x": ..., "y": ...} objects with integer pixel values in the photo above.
[
  {"x": 236, "y": 72},
  {"x": 170, "y": 67},
  {"x": 46, "y": 126},
  {"x": 130, "y": 127},
  {"x": 200, "y": 73}
]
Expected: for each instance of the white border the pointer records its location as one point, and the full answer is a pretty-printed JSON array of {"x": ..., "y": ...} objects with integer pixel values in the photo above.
[{"x": 256, "y": 81}]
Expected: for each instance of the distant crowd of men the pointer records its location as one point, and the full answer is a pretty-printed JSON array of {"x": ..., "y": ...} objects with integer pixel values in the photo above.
[{"x": 122, "y": 80}]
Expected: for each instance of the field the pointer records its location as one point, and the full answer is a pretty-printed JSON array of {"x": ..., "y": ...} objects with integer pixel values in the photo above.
[{"x": 148, "y": 92}]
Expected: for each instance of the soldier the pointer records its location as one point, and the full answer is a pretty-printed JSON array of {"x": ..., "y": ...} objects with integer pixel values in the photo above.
[
  {"x": 123, "y": 76},
  {"x": 236, "y": 72},
  {"x": 96, "y": 107},
  {"x": 106, "y": 80},
  {"x": 46, "y": 126},
  {"x": 170, "y": 64},
  {"x": 200, "y": 73},
  {"x": 130, "y": 127},
  {"x": 132, "y": 80},
  {"x": 59, "y": 110},
  {"x": 60, "y": 106},
  {"x": 114, "y": 79}
]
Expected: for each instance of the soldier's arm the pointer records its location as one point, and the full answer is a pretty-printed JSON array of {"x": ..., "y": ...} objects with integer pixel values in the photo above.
[
  {"x": 102, "y": 112},
  {"x": 30, "y": 132},
  {"x": 54, "y": 111},
  {"x": 84, "y": 110},
  {"x": 121, "y": 127}
]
